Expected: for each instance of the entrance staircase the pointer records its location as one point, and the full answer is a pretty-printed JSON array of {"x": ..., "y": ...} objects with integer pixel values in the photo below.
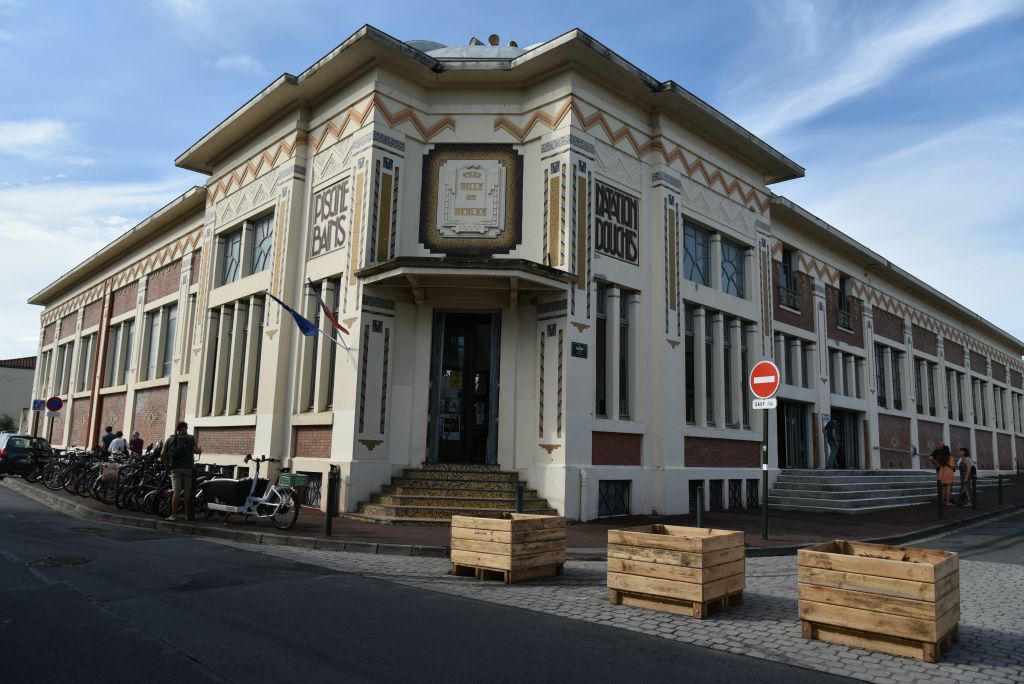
[
  {"x": 433, "y": 493},
  {"x": 856, "y": 491}
]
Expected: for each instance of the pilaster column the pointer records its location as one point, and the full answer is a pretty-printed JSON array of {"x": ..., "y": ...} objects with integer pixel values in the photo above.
[
  {"x": 700, "y": 379},
  {"x": 718, "y": 326},
  {"x": 796, "y": 353},
  {"x": 850, "y": 376},
  {"x": 739, "y": 382}
]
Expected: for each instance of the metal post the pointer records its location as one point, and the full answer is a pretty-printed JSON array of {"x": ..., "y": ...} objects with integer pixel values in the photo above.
[
  {"x": 974, "y": 493},
  {"x": 333, "y": 481},
  {"x": 700, "y": 505},
  {"x": 519, "y": 496},
  {"x": 999, "y": 481},
  {"x": 764, "y": 476},
  {"x": 942, "y": 505}
]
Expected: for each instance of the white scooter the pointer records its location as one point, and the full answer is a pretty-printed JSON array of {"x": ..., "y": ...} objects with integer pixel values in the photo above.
[{"x": 250, "y": 496}]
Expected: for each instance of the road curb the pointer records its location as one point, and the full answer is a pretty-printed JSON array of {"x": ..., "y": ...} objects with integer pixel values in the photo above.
[{"x": 81, "y": 512}]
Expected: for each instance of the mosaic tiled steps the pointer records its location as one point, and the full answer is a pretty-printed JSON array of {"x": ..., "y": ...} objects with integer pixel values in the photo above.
[{"x": 432, "y": 494}]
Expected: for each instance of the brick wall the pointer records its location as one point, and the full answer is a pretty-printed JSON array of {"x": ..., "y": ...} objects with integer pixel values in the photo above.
[
  {"x": 888, "y": 325},
  {"x": 79, "y": 422},
  {"x": 125, "y": 299},
  {"x": 925, "y": 340},
  {"x": 998, "y": 371},
  {"x": 1005, "y": 455},
  {"x": 91, "y": 316},
  {"x": 954, "y": 352},
  {"x": 928, "y": 437},
  {"x": 805, "y": 284},
  {"x": 978, "y": 362},
  {"x": 112, "y": 412},
  {"x": 983, "y": 451},
  {"x": 197, "y": 259},
  {"x": 1020, "y": 450},
  {"x": 311, "y": 441},
  {"x": 854, "y": 338},
  {"x": 1016, "y": 379},
  {"x": 721, "y": 453},
  {"x": 236, "y": 441},
  {"x": 894, "y": 440},
  {"x": 55, "y": 434},
  {"x": 959, "y": 437},
  {"x": 163, "y": 281},
  {"x": 48, "y": 333},
  {"x": 182, "y": 399},
  {"x": 66, "y": 326},
  {"x": 616, "y": 448},
  {"x": 151, "y": 413}
]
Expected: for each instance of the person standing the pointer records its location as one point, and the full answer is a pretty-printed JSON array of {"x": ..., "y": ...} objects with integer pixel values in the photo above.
[
  {"x": 107, "y": 438},
  {"x": 118, "y": 445},
  {"x": 943, "y": 460},
  {"x": 831, "y": 431},
  {"x": 180, "y": 451},
  {"x": 135, "y": 444},
  {"x": 967, "y": 473}
]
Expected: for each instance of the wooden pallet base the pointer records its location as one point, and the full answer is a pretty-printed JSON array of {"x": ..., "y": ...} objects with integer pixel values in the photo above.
[
  {"x": 507, "y": 576},
  {"x": 909, "y": 648},
  {"x": 697, "y": 609}
]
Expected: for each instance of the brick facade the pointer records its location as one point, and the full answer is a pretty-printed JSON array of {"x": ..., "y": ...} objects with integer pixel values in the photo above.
[
  {"x": 197, "y": 259},
  {"x": 125, "y": 299},
  {"x": 954, "y": 353},
  {"x": 894, "y": 440},
  {"x": 163, "y": 281},
  {"x": 928, "y": 436},
  {"x": 112, "y": 411},
  {"x": 804, "y": 319},
  {"x": 856, "y": 336},
  {"x": 79, "y": 423},
  {"x": 888, "y": 325},
  {"x": 55, "y": 433},
  {"x": 229, "y": 441},
  {"x": 983, "y": 453},
  {"x": 48, "y": 333},
  {"x": 978, "y": 363},
  {"x": 151, "y": 414},
  {"x": 959, "y": 437},
  {"x": 312, "y": 441},
  {"x": 1016, "y": 379},
  {"x": 925, "y": 340},
  {"x": 721, "y": 453},
  {"x": 616, "y": 448},
  {"x": 1005, "y": 455},
  {"x": 998, "y": 371},
  {"x": 92, "y": 313},
  {"x": 66, "y": 326},
  {"x": 1020, "y": 450}
]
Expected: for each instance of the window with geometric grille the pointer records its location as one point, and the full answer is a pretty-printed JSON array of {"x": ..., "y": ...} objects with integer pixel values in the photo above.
[
  {"x": 753, "y": 490},
  {"x": 697, "y": 256},
  {"x": 733, "y": 256},
  {"x": 231, "y": 256},
  {"x": 262, "y": 238},
  {"x": 715, "y": 492},
  {"x": 612, "y": 497},
  {"x": 735, "y": 494}
]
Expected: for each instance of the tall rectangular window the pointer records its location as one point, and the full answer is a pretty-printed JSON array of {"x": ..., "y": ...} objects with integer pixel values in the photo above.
[
  {"x": 314, "y": 345},
  {"x": 697, "y": 254},
  {"x": 745, "y": 372},
  {"x": 709, "y": 369},
  {"x": 983, "y": 396},
  {"x": 930, "y": 369},
  {"x": 733, "y": 258},
  {"x": 727, "y": 373},
  {"x": 625, "y": 369},
  {"x": 170, "y": 328},
  {"x": 918, "y": 386},
  {"x": 950, "y": 379},
  {"x": 960, "y": 397},
  {"x": 261, "y": 239},
  {"x": 231, "y": 256},
  {"x": 789, "y": 296},
  {"x": 86, "y": 349},
  {"x": 690, "y": 370},
  {"x": 152, "y": 326},
  {"x": 601, "y": 353},
  {"x": 897, "y": 380},
  {"x": 334, "y": 303}
]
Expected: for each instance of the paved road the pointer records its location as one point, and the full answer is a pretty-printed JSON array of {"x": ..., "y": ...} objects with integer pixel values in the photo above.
[
  {"x": 997, "y": 541},
  {"x": 148, "y": 606}
]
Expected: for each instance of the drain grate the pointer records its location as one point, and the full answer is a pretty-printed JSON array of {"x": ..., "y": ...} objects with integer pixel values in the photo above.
[{"x": 59, "y": 562}]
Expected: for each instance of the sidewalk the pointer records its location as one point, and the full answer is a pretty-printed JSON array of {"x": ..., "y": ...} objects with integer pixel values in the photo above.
[{"x": 787, "y": 529}]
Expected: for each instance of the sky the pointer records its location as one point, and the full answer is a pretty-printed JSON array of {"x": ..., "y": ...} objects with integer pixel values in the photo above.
[{"x": 908, "y": 116}]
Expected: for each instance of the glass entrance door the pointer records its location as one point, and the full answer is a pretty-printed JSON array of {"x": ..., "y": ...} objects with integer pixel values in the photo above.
[
  {"x": 464, "y": 370},
  {"x": 849, "y": 442},
  {"x": 792, "y": 434}
]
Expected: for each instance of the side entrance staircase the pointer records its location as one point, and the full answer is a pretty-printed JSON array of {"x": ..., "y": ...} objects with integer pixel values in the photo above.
[
  {"x": 857, "y": 491},
  {"x": 433, "y": 493}
]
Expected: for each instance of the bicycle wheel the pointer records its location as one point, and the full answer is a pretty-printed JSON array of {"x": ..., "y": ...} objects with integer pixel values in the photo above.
[
  {"x": 69, "y": 479},
  {"x": 286, "y": 507},
  {"x": 33, "y": 475},
  {"x": 104, "y": 491},
  {"x": 51, "y": 476}
]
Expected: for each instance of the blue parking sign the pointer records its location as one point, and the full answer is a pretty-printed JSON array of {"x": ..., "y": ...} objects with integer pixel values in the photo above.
[{"x": 38, "y": 404}]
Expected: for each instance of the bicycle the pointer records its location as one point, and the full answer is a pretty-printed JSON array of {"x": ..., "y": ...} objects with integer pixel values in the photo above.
[{"x": 250, "y": 496}]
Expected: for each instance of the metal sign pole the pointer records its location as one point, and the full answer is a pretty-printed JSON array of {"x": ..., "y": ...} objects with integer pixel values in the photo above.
[{"x": 764, "y": 476}]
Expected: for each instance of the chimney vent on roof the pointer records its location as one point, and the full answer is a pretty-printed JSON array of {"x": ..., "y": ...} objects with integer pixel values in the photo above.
[
  {"x": 475, "y": 41},
  {"x": 494, "y": 39},
  {"x": 513, "y": 43}
]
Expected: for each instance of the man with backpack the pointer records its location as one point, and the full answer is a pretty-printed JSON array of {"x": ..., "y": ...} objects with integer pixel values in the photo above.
[{"x": 179, "y": 452}]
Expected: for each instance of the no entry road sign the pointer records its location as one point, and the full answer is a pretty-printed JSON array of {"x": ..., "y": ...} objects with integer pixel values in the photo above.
[{"x": 764, "y": 380}]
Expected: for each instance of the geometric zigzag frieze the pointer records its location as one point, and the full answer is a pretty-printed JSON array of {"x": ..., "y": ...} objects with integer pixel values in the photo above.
[
  {"x": 259, "y": 163},
  {"x": 692, "y": 164},
  {"x": 163, "y": 256},
  {"x": 359, "y": 114},
  {"x": 882, "y": 300}
]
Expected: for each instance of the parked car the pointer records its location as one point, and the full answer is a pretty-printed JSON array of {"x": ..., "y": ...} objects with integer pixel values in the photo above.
[{"x": 19, "y": 453}]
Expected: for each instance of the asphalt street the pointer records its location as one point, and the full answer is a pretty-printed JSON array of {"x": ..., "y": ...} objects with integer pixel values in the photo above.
[
  {"x": 995, "y": 541},
  {"x": 82, "y": 602}
]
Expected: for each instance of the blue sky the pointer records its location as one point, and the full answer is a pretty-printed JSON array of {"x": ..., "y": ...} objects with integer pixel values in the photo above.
[{"x": 909, "y": 116}]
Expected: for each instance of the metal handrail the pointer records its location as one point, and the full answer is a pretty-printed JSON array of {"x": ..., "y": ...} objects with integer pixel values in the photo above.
[
  {"x": 789, "y": 297},
  {"x": 845, "y": 319}
]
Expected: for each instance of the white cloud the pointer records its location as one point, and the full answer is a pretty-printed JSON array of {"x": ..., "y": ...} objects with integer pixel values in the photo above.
[
  {"x": 39, "y": 140},
  {"x": 243, "y": 63},
  {"x": 827, "y": 59},
  {"x": 49, "y": 228},
  {"x": 947, "y": 210}
]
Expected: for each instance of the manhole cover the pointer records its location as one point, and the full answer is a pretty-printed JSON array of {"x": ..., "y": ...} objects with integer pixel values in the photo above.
[{"x": 58, "y": 562}]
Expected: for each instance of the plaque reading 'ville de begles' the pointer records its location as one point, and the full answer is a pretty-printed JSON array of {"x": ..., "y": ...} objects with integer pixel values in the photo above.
[{"x": 472, "y": 198}]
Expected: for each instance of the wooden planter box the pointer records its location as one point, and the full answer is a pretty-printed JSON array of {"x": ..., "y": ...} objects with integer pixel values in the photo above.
[
  {"x": 892, "y": 599},
  {"x": 682, "y": 570},
  {"x": 513, "y": 548}
]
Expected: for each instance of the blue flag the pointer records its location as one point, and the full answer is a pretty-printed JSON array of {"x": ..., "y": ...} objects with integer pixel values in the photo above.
[{"x": 306, "y": 326}]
